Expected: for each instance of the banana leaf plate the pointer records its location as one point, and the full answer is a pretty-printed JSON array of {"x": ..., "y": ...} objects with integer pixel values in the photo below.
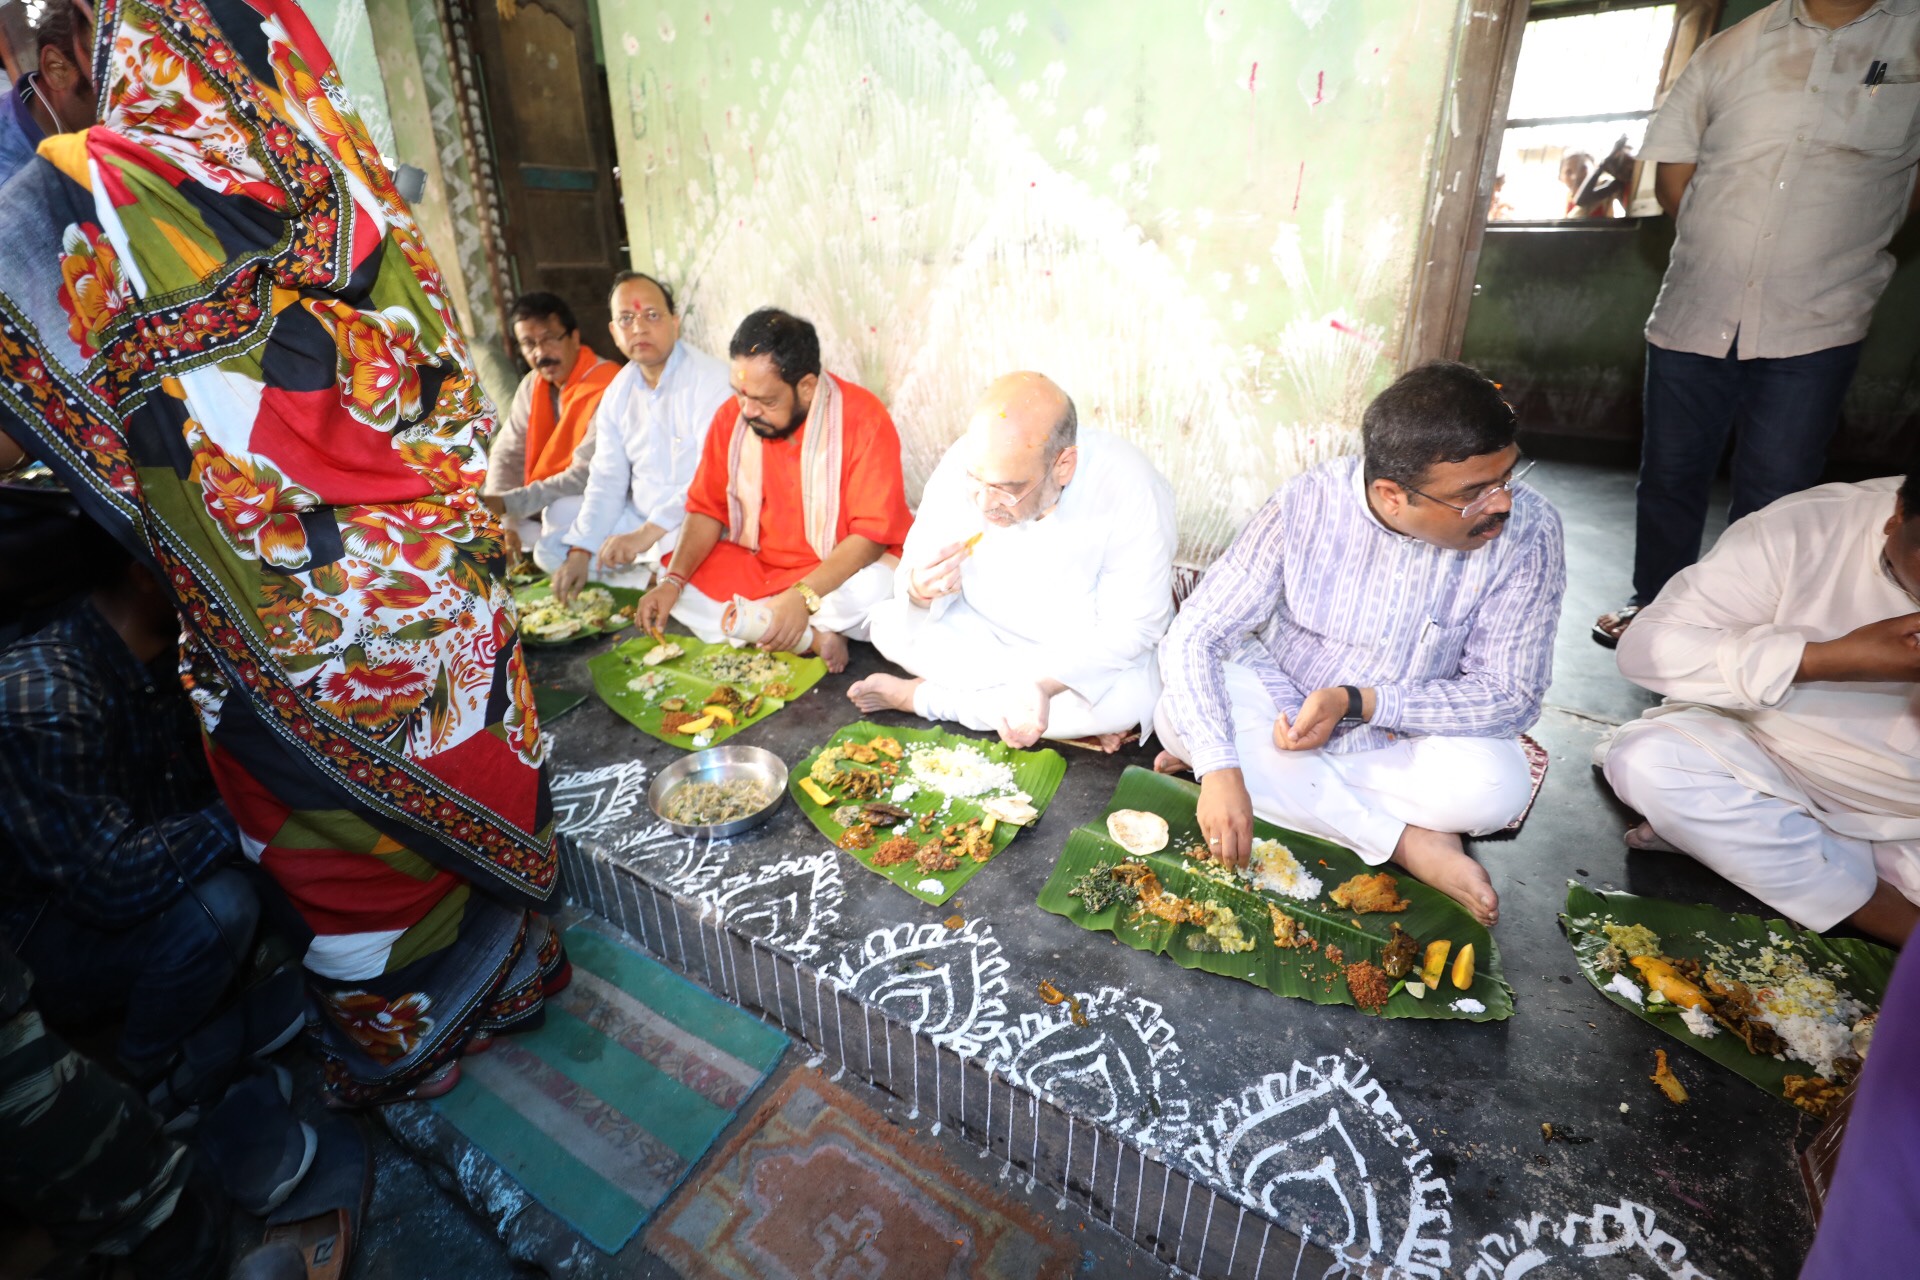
[
  {"x": 624, "y": 599},
  {"x": 690, "y": 676},
  {"x": 1305, "y": 972},
  {"x": 1687, "y": 930},
  {"x": 1038, "y": 773}
]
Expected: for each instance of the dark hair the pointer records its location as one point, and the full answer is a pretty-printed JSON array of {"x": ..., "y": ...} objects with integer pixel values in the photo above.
[
  {"x": 50, "y": 552},
  {"x": 1910, "y": 496},
  {"x": 1066, "y": 430},
  {"x": 58, "y": 27},
  {"x": 538, "y": 306},
  {"x": 1440, "y": 412},
  {"x": 791, "y": 341},
  {"x": 628, "y": 277}
]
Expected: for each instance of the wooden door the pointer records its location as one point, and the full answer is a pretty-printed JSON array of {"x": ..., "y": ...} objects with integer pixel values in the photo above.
[{"x": 546, "y": 103}]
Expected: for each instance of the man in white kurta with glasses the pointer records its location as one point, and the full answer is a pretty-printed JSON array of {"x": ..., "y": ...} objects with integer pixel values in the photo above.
[
  {"x": 1361, "y": 663},
  {"x": 1036, "y": 582}
]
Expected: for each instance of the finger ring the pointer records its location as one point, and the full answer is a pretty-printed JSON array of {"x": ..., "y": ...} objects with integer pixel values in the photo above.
[{"x": 1215, "y": 840}]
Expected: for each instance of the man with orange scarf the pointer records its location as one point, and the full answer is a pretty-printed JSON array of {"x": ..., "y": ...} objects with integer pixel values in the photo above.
[
  {"x": 798, "y": 502},
  {"x": 537, "y": 469}
]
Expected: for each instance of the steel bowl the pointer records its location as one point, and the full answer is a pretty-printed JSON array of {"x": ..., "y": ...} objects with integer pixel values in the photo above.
[{"x": 721, "y": 764}]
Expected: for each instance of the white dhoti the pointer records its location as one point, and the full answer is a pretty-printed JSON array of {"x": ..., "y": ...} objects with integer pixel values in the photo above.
[
  {"x": 545, "y": 536},
  {"x": 843, "y": 611},
  {"x": 965, "y": 662},
  {"x": 550, "y": 544},
  {"x": 1710, "y": 790},
  {"x": 1366, "y": 799}
]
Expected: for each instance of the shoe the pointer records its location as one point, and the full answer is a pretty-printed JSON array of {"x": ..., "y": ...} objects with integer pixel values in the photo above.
[
  {"x": 257, "y": 1147},
  {"x": 192, "y": 1244},
  {"x": 321, "y": 1223}
]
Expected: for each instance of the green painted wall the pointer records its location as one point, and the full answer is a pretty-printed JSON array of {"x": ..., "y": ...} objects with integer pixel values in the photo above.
[
  {"x": 1200, "y": 218},
  {"x": 1558, "y": 318}
]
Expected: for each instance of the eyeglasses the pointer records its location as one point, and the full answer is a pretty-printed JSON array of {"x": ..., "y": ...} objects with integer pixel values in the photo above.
[
  {"x": 633, "y": 320},
  {"x": 1000, "y": 493},
  {"x": 541, "y": 344},
  {"x": 1480, "y": 503}
]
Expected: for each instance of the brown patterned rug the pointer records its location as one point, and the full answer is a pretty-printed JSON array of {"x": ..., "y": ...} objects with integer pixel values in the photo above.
[{"x": 820, "y": 1184}]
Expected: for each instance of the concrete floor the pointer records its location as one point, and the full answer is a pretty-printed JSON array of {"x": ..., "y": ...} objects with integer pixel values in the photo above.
[{"x": 1719, "y": 1174}]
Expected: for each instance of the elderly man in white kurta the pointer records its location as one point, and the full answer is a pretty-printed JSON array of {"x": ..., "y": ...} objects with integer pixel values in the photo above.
[
  {"x": 1040, "y": 579},
  {"x": 1787, "y": 753},
  {"x": 645, "y": 443}
]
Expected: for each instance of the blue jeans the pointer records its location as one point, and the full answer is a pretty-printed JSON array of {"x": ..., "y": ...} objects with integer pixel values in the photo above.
[
  {"x": 1781, "y": 414},
  {"x": 169, "y": 972}
]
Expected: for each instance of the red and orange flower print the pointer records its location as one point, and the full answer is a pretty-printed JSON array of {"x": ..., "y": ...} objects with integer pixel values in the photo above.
[{"x": 93, "y": 287}]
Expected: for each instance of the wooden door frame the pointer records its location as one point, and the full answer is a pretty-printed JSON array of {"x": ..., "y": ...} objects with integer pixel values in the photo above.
[
  {"x": 1472, "y": 118},
  {"x": 492, "y": 26}
]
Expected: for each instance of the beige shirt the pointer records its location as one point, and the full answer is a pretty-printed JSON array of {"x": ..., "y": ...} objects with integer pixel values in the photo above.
[
  {"x": 1728, "y": 633},
  {"x": 507, "y": 458},
  {"x": 1804, "y": 175}
]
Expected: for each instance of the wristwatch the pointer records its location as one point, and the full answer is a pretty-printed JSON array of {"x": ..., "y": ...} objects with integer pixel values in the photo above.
[
  {"x": 811, "y": 596},
  {"x": 1356, "y": 708}
]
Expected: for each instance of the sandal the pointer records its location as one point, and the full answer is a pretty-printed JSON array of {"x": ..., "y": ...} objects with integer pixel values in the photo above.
[{"x": 1609, "y": 627}]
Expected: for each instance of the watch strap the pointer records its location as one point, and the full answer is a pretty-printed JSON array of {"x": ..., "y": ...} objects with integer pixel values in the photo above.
[{"x": 1356, "y": 708}]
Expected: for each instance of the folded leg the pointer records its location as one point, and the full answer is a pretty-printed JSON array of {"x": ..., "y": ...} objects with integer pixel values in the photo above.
[
  {"x": 963, "y": 662},
  {"x": 1771, "y": 847},
  {"x": 1366, "y": 800}
]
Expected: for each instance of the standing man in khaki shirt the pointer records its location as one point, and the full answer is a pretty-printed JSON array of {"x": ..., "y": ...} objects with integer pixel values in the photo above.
[{"x": 1786, "y": 155}]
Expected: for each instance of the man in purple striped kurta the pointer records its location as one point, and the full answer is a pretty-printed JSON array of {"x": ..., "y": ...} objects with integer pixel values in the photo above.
[{"x": 1361, "y": 662}]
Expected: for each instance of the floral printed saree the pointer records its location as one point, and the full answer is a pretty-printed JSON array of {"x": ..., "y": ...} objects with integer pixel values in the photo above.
[{"x": 220, "y": 326}]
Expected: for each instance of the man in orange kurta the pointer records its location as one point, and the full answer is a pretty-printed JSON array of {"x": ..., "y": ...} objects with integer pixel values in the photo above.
[
  {"x": 538, "y": 466},
  {"x": 798, "y": 501}
]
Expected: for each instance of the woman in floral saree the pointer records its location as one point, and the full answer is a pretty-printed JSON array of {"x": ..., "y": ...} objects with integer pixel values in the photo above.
[{"x": 220, "y": 327}]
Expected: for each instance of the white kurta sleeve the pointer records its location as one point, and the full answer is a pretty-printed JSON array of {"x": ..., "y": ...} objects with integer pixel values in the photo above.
[
  {"x": 944, "y": 516},
  {"x": 1712, "y": 636},
  {"x": 665, "y": 461},
  {"x": 605, "y": 496}
]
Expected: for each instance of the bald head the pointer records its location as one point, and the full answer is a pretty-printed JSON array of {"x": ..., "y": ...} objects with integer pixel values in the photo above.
[
  {"x": 1027, "y": 412},
  {"x": 1018, "y": 445}
]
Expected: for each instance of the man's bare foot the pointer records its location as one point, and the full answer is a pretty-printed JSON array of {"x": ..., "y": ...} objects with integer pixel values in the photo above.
[
  {"x": 883, "y": 693},
  {"x": 1112, "y": 742},
  {"x": 1167, "y": 762},
  {"x": 1437, "y": 859},
  {"x": 832, "y": 649},
  {"x": 1645, "y": 837}
]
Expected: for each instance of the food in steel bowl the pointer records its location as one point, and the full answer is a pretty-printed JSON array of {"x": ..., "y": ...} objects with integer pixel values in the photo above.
[{"x": 708, "y": 804}]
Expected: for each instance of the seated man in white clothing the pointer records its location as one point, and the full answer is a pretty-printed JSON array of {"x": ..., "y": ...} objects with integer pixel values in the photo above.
[
  {"x": 1787, "y": 753},
  {"x": 645, "y": 443},
  {"x": 1036, "y": 582},
  {"x": 537, "y": 466},
  {"x": 1360, "y": 664}
]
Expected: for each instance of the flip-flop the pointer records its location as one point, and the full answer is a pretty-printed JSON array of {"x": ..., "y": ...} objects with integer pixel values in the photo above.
[
  {"x": 323, "y": 1217},
  {"x": 1610, "y": 638}
]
